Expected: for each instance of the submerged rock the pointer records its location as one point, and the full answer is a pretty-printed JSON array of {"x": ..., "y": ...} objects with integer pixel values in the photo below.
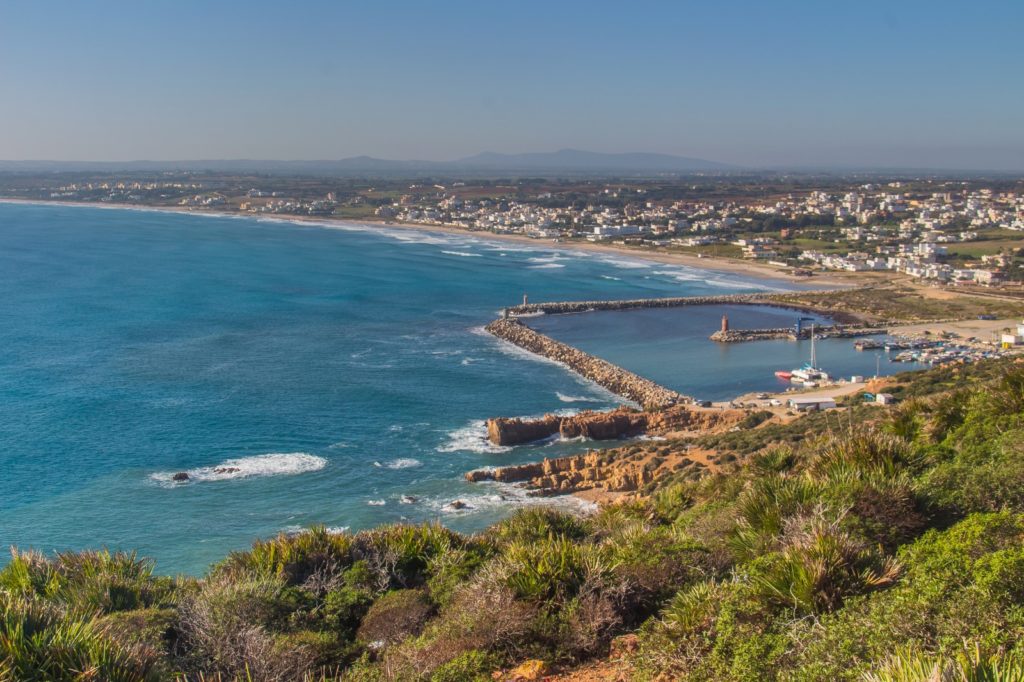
[
  {"x": 180, "y": 476},
  {"x": 226, "y": 470}
]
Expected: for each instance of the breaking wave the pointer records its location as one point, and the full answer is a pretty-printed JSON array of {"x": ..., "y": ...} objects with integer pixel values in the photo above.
[
  {"x": 273, "y": 464},
  {"x": 575, "y": 398},
  {"x": 471, "y": 438},
  {"x": 464, "y": 254}
]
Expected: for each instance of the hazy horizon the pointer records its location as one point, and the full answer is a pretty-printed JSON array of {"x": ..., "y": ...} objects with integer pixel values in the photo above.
[{"x": 787, "y": 85}]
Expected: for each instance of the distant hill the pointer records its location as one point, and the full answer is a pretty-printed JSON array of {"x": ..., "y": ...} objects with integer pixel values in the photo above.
[
  {"x": 566, "y": 161},
  {"x": 576, "y": 160}
]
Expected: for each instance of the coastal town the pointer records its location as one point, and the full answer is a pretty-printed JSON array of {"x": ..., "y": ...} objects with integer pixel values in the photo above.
[{"x": 948, "y": 231}]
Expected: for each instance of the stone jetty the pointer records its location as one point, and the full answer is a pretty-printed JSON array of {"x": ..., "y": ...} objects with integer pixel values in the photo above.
[
  {"x": 824, "y": 332},
  {"x": 645, "y": 392}
]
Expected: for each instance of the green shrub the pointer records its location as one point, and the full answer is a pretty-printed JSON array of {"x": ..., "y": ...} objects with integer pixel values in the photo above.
[
  {"x": 471, "y": 666},
  {"x": 395, "y": 616}
]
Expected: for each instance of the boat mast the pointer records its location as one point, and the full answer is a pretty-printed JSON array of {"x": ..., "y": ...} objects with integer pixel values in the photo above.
[{"x": 814, "y": 360}]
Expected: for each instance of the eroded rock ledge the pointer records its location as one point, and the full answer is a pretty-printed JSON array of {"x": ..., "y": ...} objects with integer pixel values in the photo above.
[
  {"x": 617, "y": 380},
  {"x": 617, "y": 423},
  {"x": 625, "y": 469},
  {"x": 622, "y": 470}
]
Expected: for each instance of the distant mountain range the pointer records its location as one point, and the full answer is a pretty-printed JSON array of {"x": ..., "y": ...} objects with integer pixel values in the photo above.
[{"x": 566, "y": 161}]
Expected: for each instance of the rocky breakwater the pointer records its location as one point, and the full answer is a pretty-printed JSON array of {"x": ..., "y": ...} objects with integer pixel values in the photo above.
[
  {"x": 617, "y": 380},
  {"x": 561, "y": 307}
]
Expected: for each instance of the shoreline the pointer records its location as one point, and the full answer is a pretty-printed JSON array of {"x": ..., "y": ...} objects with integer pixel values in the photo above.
[{"x": 708, "y": 263}]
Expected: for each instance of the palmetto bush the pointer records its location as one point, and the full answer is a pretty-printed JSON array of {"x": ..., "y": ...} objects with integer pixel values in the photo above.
[
  {"x": 867, "y": 449},
  {"x": 970, "y": 665},
  {"x": 38, "y": 642},
  {"x": 820, "y": 566},
  {"x": 293, "y": 558},
  {"x": 87, "y": 582},
  {"x": 763, "y": 508},
  {"x": 550, "y": 570},
  {"x": 529, "y": 525}
]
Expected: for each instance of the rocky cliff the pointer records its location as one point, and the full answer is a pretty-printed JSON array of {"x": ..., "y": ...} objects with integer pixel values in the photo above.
[
  {"x": 594, "y": 425},
  {"x": 618, "y": 470},
  {"x": 618, "y": 423}
]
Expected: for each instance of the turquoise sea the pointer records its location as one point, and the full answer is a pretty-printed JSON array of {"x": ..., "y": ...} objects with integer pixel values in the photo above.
[{"x": 327, "y": 371}]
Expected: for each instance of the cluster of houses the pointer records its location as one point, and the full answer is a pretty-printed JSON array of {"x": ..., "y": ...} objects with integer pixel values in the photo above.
[{"x": 881, "y": 228}]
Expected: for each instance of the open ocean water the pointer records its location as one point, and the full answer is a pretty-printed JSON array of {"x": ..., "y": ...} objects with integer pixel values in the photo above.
[{"x": 328, "y": 372}]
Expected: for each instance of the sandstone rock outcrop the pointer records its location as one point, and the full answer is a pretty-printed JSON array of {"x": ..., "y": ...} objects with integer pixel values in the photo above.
[
  {"x": 593, "y": 425},
  {"x": 618, "y": 423},
  {"x": 620, "y": 470}
]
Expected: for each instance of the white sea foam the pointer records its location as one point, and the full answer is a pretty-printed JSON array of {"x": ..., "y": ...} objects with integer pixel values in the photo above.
[
  {"x": 403, "y": 463},
  {"x": 299, "y": 530},
  {"x": 495, "y": 496},
  {"x": 273, "y": 464},
  {"x": 614, "y": 279},
  {"x": 626, "y": 263},
  {"x": 464, "y": 254},
  {"x": 469, "y": 361},
  {"x": 376, "y": 503},
  {"x": 546, "y": 266},
  {"x": 576, "y": 398},
  {"x": 471, "y": 438}
]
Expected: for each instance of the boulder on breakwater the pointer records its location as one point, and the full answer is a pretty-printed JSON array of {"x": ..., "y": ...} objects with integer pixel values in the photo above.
[{"x": 617, "y": 380}]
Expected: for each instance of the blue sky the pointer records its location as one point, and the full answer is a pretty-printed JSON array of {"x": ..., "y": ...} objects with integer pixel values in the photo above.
[{"x": 898, "y": 83}]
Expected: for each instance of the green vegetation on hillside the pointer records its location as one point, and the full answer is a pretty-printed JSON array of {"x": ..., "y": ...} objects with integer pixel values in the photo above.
[{"x": 889, "y": 547}]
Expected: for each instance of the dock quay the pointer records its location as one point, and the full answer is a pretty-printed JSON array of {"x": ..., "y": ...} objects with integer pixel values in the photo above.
[{"x": 790, "y": 334}]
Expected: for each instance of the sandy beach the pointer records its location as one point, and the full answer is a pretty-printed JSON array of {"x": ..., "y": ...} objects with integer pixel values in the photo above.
[{"x": 716, "y": 264}]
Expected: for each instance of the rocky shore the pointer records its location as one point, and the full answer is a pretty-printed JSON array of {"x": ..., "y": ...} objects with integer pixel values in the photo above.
[
  {"x": 645, "y": 392},
  {"x": 619, "y": 423},
  {"x": 617, "y": 470},
  {"x": 622, "y": 470}
]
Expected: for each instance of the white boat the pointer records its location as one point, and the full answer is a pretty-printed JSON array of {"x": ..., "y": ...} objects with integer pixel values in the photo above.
[{"x": 810, "y": 374}]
